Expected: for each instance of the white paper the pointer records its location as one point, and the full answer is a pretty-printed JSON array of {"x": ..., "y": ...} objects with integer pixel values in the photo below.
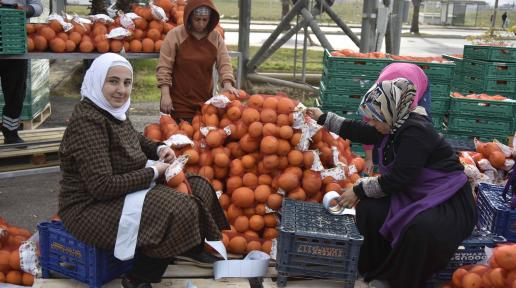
[
  {"x": 317, "y": 165},
  {"x": 118, "y": 33},
  {"x": 219, "y": 101},
  {"x": 125, "y": 21},
  {"x": 205, "y": 130},
  {"x": 101, "y": 18},
  {"x": 179, "y": 141},
  {"x": 255, "y": 264},
  {"x": 29, "y": 260},
  {"x": 158, "y": 13},
  {"x": 127, "y": 235},
  {"x": 337, "y": 173},
  {"x": 176, "y": 167}
]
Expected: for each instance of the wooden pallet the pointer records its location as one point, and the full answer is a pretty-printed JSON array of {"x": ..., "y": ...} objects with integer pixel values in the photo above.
[
  {"x": 175, "y": 276},
  {"x": 41, "y": 150},
  {"x": 38, "y": 119}
]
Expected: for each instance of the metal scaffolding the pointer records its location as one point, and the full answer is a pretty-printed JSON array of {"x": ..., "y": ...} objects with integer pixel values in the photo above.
[{"x": 379, "y": 20}]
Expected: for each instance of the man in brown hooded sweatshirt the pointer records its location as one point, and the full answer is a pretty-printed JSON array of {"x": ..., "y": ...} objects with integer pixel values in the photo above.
[{"x": 187, "y": 55}]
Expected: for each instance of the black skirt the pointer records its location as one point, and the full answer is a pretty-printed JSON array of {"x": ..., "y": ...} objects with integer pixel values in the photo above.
[{"x": 425, "y": 247}]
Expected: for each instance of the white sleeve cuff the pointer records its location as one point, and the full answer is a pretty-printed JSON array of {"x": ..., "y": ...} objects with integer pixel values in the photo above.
[
  {"x": 156, "y": 174},
  {"x": 160, "y": 147}
]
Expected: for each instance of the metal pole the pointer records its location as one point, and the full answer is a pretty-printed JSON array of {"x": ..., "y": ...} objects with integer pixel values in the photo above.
[
  {"x": 261, "y": 78},
  {"x": 316, "y": 29},
  {"x": 244, "y": 32},
  {"x": 340, "y": 23},
  {"x": 494, "y": 17},
  {"x": 368, "y": 25},
  {"x": 281, "y": 27},
  {"x": 396, "y": 25}
]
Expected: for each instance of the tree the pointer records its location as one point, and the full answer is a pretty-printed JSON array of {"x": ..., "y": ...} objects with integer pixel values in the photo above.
[
  {"x": 98, "y": 7},
  {"x": 414, "y": 27}
]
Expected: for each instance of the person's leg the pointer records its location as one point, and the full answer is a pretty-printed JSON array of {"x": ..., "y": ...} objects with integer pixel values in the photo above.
[
  {"x": 14, "y": 86},
  {"x": 145, "y": 270},
  {"x": 370, "y": 215},
  {"x": 429, "y": 242}
]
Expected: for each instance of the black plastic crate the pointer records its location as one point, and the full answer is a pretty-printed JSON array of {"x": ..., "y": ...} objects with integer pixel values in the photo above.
[
  {"x": 312, "y": 242},
  {"x": 494, "y": 213}
]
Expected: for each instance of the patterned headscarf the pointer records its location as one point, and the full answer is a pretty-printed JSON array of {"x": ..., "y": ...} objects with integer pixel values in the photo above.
[
  {"x": 390, "y": 102},
  {"x": 202, "y": 11},
  {"x": 94, "y": 81}
]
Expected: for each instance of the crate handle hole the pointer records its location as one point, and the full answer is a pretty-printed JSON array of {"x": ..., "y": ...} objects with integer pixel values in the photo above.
[
  {"x": 504, "y": 51},
  {"x": 504, "y": 82},
  {"x": 424, "y": 67},
  {"x": 360, "y": 63},
  {"x": 68, "y": 266},
  {"x": 503, "y": 68}
]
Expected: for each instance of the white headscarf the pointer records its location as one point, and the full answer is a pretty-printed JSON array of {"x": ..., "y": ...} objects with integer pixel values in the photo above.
[{"x": 94, "y": 81}]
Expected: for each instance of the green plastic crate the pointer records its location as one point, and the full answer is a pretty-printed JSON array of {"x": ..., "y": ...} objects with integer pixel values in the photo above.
[
  {"x": 486, "y": 69},
  {"x": 480, "y": 135},
  {"x": 440, "y": 106},
  {"x": 12, "y": 31},
  {"x": 480, "y": 84},
  {"x": 440, "y": 121},
  {"x": 358, "y": 149},
  {"x": 436, "y": 72},
  {"x": 478, "y": 124},
  {"x": 440, "y": 90},
  {"x": 490, "y": 53},
  {"x": 342, "y": 98},
  {"x": 477, "y": 107},
  {"x": 349, "y": 114},
  {"x": 358, "y": 64},
  {"x": 353, "y": 84}
]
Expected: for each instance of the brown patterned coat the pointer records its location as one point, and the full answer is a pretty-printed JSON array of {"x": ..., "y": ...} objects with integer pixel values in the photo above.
[{"x": 102, "y": 160}]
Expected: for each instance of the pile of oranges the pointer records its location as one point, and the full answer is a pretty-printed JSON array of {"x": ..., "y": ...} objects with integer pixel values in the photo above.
[
  {"x": 490, "y": 151},
  {"x": 255, "y": 162},
  {"x": 380, "y": 55},
  {"x": 499, "y": 273},
  {"x": 481, "y": 96},
  {"x": 11, "y": 238},
  {"x": 147, "y": 36}
]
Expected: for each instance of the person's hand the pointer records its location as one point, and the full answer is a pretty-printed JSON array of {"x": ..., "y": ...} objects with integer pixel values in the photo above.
[
  {"x": 162, "y": 167},
  {"x": 314, "y": 113},
  {"x": 229, "y": 88},
  {"x": 167, "y": 155},
  {"x": 348, "y": 198},
  {"x": 368, "y": 168},
  {"x": 166, "y": 105}
]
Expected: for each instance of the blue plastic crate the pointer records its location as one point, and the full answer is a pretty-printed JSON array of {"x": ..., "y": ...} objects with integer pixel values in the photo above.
[
  {"x": 315, "y": 243},
  {"x": 62, "y": 253},
  {"x": 471, "y": 251},
  {"x": 495, "y": 214}
]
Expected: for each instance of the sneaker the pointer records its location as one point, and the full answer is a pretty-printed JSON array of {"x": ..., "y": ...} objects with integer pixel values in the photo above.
[
  {"x": 201, "y": 259},
  {"x": 11, "y": 137},
  {"x": 128, "y": 282}
]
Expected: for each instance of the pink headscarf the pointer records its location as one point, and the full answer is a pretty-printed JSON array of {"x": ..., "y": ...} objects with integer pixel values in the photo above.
[{"x": 408, "y": 71}]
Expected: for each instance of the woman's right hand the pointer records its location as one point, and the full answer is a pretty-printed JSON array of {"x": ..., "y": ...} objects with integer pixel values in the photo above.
[
  {"x": 314, "y": 113},
  {"x": 161, "y": 167},
  {"x": 368, "y": 167}
]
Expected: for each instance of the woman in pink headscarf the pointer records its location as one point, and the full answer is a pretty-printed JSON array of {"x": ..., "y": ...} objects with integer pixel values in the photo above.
[{"x": 418, "y": 77}]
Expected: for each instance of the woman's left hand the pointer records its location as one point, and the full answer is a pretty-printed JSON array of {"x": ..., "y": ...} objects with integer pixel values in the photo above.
[
  {"x": 167, "y": 155},
  {"x": 348, "y": 198},
  {"x": 229, "y": 88}
]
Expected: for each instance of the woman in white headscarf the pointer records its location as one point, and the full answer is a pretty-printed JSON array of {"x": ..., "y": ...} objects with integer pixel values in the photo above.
[{"x": 103, "y": 160}]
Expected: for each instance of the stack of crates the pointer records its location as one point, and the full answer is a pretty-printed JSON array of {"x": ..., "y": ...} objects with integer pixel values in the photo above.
[
  {"x": 38, "y": 90},
  {"x": 345, "y": 80},
  {"x": 12, "y": 31},
  {"x": 490, "y": 70},
  {"x": 314, "y": 243}
]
